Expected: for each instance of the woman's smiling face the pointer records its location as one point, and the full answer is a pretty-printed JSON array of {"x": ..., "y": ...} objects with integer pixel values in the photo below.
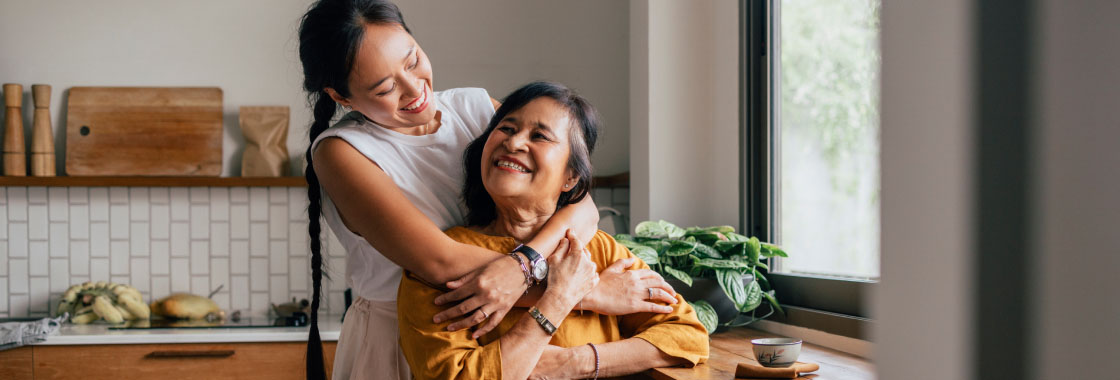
[
  {"x": 391, "y": 79},
  {"x": 526, "y": 155}
]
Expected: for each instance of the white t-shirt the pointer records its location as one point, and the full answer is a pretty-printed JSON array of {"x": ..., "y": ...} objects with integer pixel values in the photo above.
[{"x": 428, "y": 169}]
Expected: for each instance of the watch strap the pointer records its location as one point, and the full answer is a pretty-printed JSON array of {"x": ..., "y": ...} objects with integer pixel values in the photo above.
[
  {"x": 542, "y": 320},
  {"x": 529, "y": 253}
]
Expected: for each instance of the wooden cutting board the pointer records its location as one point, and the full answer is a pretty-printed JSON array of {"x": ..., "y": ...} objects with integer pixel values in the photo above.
[{"x": 144, "y": 131}]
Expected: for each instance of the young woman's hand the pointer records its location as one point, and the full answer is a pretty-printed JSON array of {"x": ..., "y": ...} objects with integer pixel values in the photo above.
[
  {"x": 490, "y": 293},
  {"x": 571, "y": 274},
  {"x": 622, "y": 291}
]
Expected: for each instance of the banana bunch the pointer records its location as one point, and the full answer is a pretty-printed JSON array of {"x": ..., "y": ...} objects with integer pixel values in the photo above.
[{"x": 115, "y": 303}]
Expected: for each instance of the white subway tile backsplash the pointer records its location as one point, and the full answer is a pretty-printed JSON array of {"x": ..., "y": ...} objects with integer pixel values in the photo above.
[
  {"x": 239, "y": 195},
  {"x": 258, "y": 303},
  {"x": 161, "y": 240},
  {"x": 60, "y": 275},
  {"x": 258, "y": 274},
  {"x": 278, "y": 288},
  {"x": 200, "y": 257},
  {"x": 79, "y": 195},
  {"x": 180, "y": 204},
  {"x": 139, "y": 242},
  {"x": 158, "y": 195},
  {"x": 37, "y": 226},
  {"x": 59, "y": 202},
  {"x": 297, "y": 203},
  {"x": 79, "y": 257},
  {"x": 200, "y": 221},
  {"x": 180, "y": 275},
  {"x": 38, "y": 255},
  {"x": 161, "y": 221},
  {"x": 140, "y": 274},
  {"x": 278, "y": 221},
  {"x": 239, "y": 222},
  {"x": 219, "y": 273},
  {"x": 239, "y": 293},
  {"x": 118, "y": 221},
  {"x": 99, "y": 239},
  {"x": 99, "y": 204},
  {"x": 239, "y": 257},
  {"x": 118, "y": 257},
  {"x": 161, "y": 287},
  {"x": 298, "y": 244},
  {"x": 79, "y": 222},
  {"x": 278, "y": 257},
  {"x": 277, "y": 195},
  {"x": 138, "y": 203},
  {"x": 180, "y": 239},
  {"x": 99, "y": 269},
  {"x": 258, "y": 239},
  {"x": 298, "y": 273},
  {"x": 17, "y": 239},
  {"x": 219, "y": 203},
  {"x": 37, "y": 195},
  {"x": 20, "y": 305},
  {"x": 118, "y": 195},
  {"x": 219, "y": 239},
  {"x": 200, "y": 195},
  {"x": 17, "y": 204},
  {"x": 60, "y": 239},
  {"x": 17, "y": 275},
  {"x": 200, "y": 285},
  {"x": 161, "y": 257},
  {"x": 258, "y": 204}
]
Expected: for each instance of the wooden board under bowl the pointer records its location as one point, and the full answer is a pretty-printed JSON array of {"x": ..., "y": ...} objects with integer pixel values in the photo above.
[{"x": 144, "y": 131}]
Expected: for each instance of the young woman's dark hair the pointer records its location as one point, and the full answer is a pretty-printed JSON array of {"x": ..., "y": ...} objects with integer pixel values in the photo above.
[
  {"x": 480, "y": 207},
  {"x": 329, "y": 36}
]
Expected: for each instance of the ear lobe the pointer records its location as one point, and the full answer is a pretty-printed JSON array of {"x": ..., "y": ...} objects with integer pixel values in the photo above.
[{"x": 336, "y": 97}]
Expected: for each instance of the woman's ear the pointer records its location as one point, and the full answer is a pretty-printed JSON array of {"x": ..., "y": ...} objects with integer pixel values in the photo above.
[
  {"x": 336, "y": 97},
  {"x": 571, "y": 182}
]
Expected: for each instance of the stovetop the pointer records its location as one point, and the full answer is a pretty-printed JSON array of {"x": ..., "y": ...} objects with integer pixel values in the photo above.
[{"x": 258, "y": 322}]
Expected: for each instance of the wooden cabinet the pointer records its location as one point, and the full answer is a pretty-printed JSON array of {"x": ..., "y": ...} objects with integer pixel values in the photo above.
[{"x": 279, "y": 360}]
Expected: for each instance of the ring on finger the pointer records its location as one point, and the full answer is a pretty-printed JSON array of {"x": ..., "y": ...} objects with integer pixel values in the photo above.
[
  {"x": 484, "y": 315},
  {"x": 650, "y": 290}
]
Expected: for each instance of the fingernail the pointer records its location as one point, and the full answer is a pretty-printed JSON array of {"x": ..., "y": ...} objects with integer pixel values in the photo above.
[{"x": 437, "y": 319}]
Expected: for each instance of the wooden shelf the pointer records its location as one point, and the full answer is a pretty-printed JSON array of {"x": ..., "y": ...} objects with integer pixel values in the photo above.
[{"x": 154, "y": 181}]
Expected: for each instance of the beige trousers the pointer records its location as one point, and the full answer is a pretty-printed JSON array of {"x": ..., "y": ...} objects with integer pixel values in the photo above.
[{"x": 369, "y": 344}]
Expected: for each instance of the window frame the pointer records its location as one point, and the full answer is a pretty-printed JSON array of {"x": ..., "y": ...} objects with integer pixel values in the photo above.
[{"x": 835, "y": 305}]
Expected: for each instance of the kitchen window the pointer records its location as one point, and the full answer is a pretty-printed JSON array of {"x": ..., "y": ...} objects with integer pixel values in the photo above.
[{"x": 810, "y": 135}]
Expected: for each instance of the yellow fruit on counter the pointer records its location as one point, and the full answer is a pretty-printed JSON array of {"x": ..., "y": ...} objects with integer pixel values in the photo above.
[
  {"x": 105, "y": 309},
  {"x": 83, "y": 319},
  {"x": 185, "y": 306}
]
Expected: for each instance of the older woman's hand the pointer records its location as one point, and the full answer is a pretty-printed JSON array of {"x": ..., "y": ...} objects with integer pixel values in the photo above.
[
  {"x": 622, "y": 291},
  {"x": 571, "y": 275}
]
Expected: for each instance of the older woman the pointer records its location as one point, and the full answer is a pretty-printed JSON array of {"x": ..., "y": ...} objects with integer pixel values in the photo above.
[{"x": 533, "y": 159}]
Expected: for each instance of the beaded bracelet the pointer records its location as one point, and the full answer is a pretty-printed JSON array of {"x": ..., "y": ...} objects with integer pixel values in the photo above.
[
  {"x": 596, "y": 351},
  {"x": 524, "y": 269}
]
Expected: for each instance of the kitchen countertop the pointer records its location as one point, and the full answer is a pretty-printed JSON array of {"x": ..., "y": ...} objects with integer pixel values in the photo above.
[{"x": 70, "y": 334}]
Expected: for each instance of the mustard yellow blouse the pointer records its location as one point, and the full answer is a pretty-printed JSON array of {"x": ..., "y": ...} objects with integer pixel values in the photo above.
[{"x": 435, "y": 353}]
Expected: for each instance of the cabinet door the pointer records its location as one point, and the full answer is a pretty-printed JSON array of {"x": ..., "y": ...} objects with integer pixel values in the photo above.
[
  {"x": 283, "y": 360},
  {"x": 15, "y": 364}
]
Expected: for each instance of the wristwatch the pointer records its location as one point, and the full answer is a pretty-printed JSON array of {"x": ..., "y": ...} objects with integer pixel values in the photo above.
[
  {"x": 538, "y": 266},
  {"x": 541, "y": 320}
]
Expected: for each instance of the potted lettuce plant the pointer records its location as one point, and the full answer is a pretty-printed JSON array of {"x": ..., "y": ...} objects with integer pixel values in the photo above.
[{"x": 714, "y": 268}]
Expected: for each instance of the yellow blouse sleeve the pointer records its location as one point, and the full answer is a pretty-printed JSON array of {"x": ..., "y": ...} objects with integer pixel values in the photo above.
[
  {"x": 678, "y": 334},
  {"x": 433, "y": 352}
]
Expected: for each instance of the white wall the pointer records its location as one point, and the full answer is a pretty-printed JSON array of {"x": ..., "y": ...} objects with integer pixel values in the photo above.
[
  {"x": 684, "y": 108},
  {"x": 1077, "y": 194},
  {"x": 923, "y": 301},
  {"x": 249, "y": 49}
]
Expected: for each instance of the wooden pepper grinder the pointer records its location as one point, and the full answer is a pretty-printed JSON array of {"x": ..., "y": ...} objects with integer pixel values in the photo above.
[
  {"x": 15, "y": 163},
  {"x": 42, "y": 140}
]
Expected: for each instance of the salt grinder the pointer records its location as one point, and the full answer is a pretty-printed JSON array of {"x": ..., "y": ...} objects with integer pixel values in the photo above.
[
  {"x": 15, "y": 163},
  {"x": 42, "y": 141}
]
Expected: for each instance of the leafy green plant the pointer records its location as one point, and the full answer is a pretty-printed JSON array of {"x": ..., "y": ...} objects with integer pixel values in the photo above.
[{"x": 707, "y": 252}]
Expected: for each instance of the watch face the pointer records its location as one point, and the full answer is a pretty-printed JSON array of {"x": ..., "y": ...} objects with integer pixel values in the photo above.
[{"x": 540, "y": 270}]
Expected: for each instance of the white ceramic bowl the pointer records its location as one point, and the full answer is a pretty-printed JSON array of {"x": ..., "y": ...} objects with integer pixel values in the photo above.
[{"x": 776, "y": 352}]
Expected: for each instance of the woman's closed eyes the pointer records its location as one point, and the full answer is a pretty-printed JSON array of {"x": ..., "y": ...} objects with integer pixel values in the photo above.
[{"x": 411, "y": 66}]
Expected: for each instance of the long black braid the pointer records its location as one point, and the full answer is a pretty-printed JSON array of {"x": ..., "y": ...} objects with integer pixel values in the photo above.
[{"x": 329, "y": 36}]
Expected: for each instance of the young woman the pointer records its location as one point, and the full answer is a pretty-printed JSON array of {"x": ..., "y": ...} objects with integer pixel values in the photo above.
[{"x": 392, "y": 169}]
